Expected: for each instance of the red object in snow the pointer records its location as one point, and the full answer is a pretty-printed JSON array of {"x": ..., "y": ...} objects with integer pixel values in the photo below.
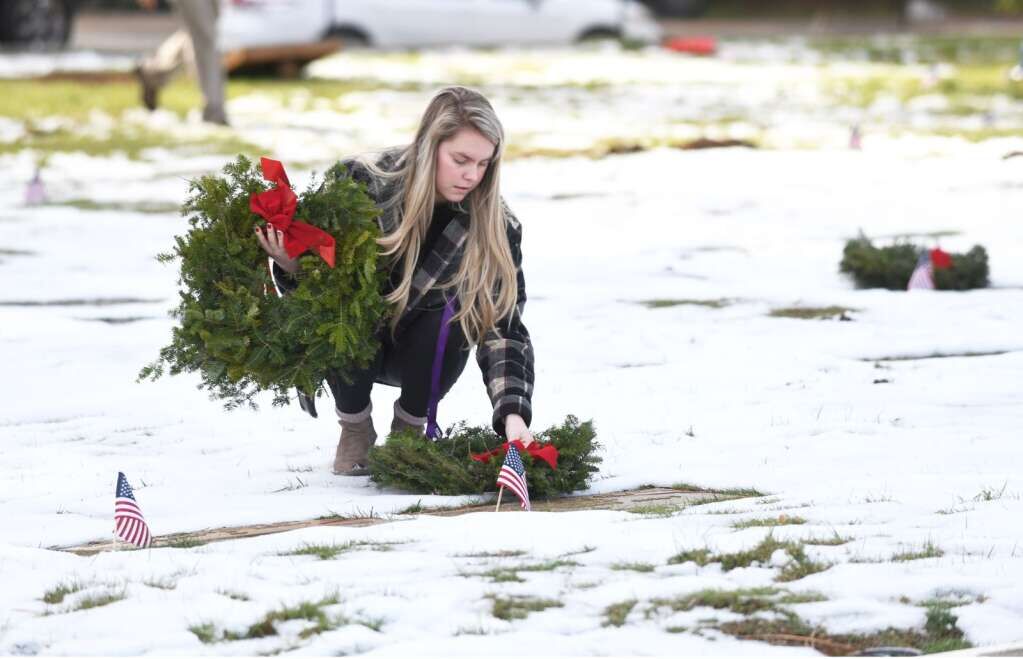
[
  {"x": 940, "y": 259},
  {"x": 692, "y": 45}
]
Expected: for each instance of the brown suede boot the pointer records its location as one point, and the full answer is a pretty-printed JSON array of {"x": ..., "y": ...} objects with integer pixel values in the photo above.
[
  {"x": 403, "y": 421},
  {"x": 357, "y": 435}
]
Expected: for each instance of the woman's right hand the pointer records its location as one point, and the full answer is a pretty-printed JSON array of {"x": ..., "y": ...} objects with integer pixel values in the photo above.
[{"x": 272, "y": 243}]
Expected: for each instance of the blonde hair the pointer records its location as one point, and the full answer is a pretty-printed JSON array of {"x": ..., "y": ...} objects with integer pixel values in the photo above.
[{"x": 485, "y": 282}]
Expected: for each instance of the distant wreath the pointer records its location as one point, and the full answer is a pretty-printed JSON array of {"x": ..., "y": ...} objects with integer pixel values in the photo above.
[{"x": 893, "y": 266}]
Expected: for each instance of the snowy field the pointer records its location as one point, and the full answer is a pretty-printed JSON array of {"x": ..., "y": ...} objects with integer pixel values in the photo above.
[{"x": 886, "y": 448}]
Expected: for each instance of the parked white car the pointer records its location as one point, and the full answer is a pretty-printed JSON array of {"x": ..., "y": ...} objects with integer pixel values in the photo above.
[{"x": 426, "y": 23}]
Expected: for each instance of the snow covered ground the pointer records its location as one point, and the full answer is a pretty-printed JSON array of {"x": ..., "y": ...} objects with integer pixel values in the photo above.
[{"x": 896, "y": 456}]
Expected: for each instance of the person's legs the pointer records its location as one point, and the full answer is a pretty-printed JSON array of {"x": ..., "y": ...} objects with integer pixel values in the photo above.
[
  {"x": 414, "y": 353},
  {"x": 352, "y": 397},
  {"x": 156, "y": 71},
  {"x": 354, "y": 412},
  {"x": 200, "y": 18}
]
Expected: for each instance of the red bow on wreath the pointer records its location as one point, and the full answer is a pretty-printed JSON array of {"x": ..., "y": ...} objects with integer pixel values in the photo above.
[
  {"x": 547, "y": 453},
  {"x": 940, "y": 259},
  {"x": 277, "y": 207}
]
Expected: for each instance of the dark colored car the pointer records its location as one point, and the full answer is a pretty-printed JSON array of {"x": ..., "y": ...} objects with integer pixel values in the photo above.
[{"x": 36, "y": 23}]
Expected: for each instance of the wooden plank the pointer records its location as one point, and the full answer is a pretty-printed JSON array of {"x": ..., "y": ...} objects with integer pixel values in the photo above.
[{"x": 624, "y": 500}]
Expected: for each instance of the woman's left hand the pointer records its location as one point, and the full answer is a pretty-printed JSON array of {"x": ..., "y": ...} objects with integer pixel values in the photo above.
[{"x": 515, "y": 428}]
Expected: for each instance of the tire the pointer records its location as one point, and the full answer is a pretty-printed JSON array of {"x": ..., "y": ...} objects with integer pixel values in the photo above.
[
  {"x": 36, "y": 23},
  {"x": 597, "y": 34},
  {"x": 352, "y": 38},
  {"x": 679, "y": 8}
]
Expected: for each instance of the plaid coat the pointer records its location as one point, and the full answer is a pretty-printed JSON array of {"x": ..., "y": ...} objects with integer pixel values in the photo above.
[{"x": 505, "y": 353}]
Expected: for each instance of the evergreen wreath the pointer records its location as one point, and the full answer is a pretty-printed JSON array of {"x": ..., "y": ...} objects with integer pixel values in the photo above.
[
  {"x": 891, "y": 266},
  {"x": 232, "y": 326},
  {"x": 409, "y": 463}
]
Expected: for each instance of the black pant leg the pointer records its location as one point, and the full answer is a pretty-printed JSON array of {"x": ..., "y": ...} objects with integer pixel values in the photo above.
[{"x": 353, "y": 397}]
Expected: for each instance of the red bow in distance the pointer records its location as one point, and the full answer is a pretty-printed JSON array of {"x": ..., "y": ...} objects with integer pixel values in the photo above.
[
  {"x": 940, "y": 259},
  {"x": 277, "y": 207},
  {"x": 547, "y": 453}
]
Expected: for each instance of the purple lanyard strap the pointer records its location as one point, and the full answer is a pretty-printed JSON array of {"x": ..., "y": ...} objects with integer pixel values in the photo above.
[{"x": 432, "y": 430}]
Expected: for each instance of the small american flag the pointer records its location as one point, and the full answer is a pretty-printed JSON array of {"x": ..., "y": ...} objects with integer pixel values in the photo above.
[
  {"x": 129, "y": 524},
  {"x": 513, "y": 476},
  {"x": 923, "y": 274}
]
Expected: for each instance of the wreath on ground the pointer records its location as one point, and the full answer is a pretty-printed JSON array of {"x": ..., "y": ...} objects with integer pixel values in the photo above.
[
  {"x": 233, "y": 329},
  {"x": 892, "y": 266},
  {"x": 467, "y": 459}
]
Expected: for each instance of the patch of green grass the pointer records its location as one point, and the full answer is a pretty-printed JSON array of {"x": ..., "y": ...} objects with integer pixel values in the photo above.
[
  {"x": 969, "y": 50},
  {"x": 801, "y": 598},
  {"x": 163, "y": 583},
  {"x": 761, "y": 554},
  {"x": 699, "y": 556},
  {"x": 585, "y": 549},
  {"x": 929, "y": 550},
  {"x": 25, "y": 99},
  {"x": 828, "y": 542},
  {"x": 517, "y": 608},
  {"x": 100, "y": 599},
  {"x": 154, "y": 207},
  {"x": 185, "y": 543},
  {"x": 501, "y": 553},
  {"x": 414, "y": 509},
  {"x": 665, "y": 303},
  {"x": 327, "y": 552},
  {"x": 811, "y": 313},
  {"x": 131, "y": 141},
  {"x": 499, "y": 575},
  {"x": 235, "y": 595},
  {"x": 206, "y": 632},
  {"x": 609, "y": 146},
  {"x": 991, "y": 494},
  {"x": 798, "y": 566},
  {"x": 768, "y": 618},
  {"x": 784, "y": 630},
  {"x": 76, "y": 99},
  {"x": 976, "y": 135},
  {"x": 744, "y": 602},
  {"x": 311, "y": 611},
  {"x": 656, "y": 509},
  {"x": 56, "y": 595},
  {"x": 781, "y": 520},
  {"x": 633, "y": 567},
  {"x": 511, "y": 574},
  {"x": 731, "y": 492},
  {"x": 615, "y": 614}
]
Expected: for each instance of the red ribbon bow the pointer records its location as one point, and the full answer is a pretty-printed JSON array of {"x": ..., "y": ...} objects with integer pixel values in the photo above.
[
  {"x": 940, "y": 259},
  {"x": 277, "y": 207},
  {"x": 547, "y": 452}
]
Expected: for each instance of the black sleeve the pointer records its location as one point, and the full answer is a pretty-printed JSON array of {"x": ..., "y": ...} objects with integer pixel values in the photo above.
[{"x": 284, "y": 281}]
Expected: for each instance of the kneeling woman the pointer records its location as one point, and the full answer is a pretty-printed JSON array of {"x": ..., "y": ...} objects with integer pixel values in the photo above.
[{"x": 454, "y": 254}]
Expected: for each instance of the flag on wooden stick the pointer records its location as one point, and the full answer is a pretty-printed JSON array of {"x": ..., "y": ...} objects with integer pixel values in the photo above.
[
  {"x": 129, "y": 524},
  {"x": 513, "y": 476}
]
